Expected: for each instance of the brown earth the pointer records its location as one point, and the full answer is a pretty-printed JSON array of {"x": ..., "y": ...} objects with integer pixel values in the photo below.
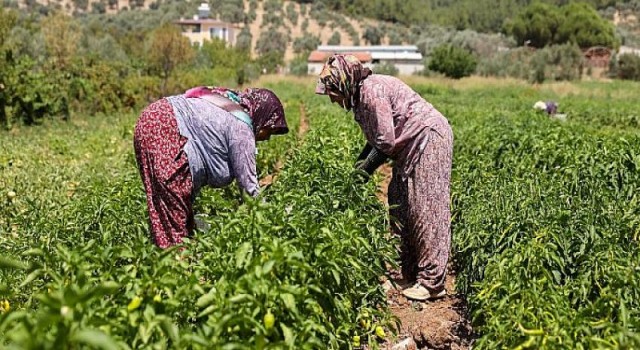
[{"x": 441, "y": 324}]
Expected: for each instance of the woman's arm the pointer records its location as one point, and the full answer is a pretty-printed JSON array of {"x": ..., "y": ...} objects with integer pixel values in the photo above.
[
  {"x": 370, "y": 159},
  {"x": 379, "y": 118},
  {"x": 242, "y": 158}
]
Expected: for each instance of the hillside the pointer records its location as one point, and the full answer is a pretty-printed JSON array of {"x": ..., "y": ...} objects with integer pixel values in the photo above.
[
  {"x": 296, "y": 30},
  {"x": 346, "y": 27},
  {"x": 317, "y": 21}
]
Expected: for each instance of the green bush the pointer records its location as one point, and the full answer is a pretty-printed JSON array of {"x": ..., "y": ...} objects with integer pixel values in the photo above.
[
  {"x": 387, "y": 68},
  {"x": 453, "y": 62},
  {"x": 542, "y": 24},
  {"x": 512, "y": 63},
  {"x": 299, "y": 66},
  {"x": 556, "y": 62},
  {"x": 628, "y": 67},
  {"x": 334, "y": 39},
  {"x": 306, "y": 43}
]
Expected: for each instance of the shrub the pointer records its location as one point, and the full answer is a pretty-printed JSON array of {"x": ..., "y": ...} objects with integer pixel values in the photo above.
[
  {"x": 453, "y": 62},
  {"x": 386, "y": 68},
  {"x": 567, "y": 61},
  {"x": 306, "y": 43},
  {"x": 334, "y": 39},
  {"x": 557, "y": 62},
  {"x": 292, "y": 14},
  {"x": 512, "y": 63},
  {"x": 628, "y": 67},
  {"x": 299, "y": 66}
]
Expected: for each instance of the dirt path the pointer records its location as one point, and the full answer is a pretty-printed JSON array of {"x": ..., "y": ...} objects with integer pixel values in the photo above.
[{"x": 441, "y": 324}]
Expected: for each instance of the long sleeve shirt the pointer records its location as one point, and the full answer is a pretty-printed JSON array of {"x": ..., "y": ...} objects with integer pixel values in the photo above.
[
  {"x": 220, "y": 147},
  {"x": 393, "y": 118}
]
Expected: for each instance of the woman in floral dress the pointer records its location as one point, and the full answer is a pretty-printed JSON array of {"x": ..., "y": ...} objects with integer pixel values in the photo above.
[
  {"x": 399, "y": 124},
  {"x": 206, "y": 136}
]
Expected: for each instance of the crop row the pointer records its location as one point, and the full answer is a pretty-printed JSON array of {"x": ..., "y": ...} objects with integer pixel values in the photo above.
[
  {"x": 546, "y": 224},
  {"x": 297, "y": 268}
]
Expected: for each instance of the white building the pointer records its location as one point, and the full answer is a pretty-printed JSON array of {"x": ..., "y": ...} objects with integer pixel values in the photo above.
[
  {"x": 628, "y": 49},
  {"x": 202, "y": 28},
  {"x": 406, "y": 58}
]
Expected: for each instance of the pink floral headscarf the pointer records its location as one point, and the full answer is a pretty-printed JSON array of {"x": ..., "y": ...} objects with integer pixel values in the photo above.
[{"x": 342, "y": 75}]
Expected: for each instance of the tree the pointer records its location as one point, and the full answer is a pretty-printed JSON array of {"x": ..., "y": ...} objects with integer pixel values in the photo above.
[
  {"x": 452, "y": 61},
  {"x": 628, "y": 66},
  {"x": 299, "y": 66},
  {"x": 271, "y": 46},
  {"x": 243, "y": 40},
  {"x": 372, "y": 35},
  {"x": 536, "y": 26},
  {"x": 232, "y": 11},
  {"x": 215, "y": 53},
  {"x": 334, "y": 39},
  {"x": 583, "y": 26},
  {"x": 306, "y": 43},
  {"x": 167, "y": 49},
  {"x": 541, "y": 24},
  {"x": 395, "y": 38},
  {"x": 271, "y": 41},
  {"x": 7, "y": 21},
  {"x": 61, "y": 36},
  {"x": 292, "y": 14}
]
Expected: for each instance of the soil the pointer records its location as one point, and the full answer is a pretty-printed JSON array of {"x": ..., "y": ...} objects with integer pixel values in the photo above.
[{"x": 440, "y": 324}]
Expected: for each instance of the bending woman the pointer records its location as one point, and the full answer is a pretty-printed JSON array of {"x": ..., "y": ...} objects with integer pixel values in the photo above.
[
  {"x": 206, "y": 136},
  {"x": 401, "y": 125}
]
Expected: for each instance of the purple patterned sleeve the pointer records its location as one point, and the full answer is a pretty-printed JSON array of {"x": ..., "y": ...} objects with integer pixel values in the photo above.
[
  {"x": 379, "y": 116},
  {"x": 242, "y": 157}
]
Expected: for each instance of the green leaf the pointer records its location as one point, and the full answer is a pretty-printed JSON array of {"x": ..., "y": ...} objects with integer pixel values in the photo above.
[
  {"x": 33, "y": 252},
  {"x": 170, "y": 329},
  {"x": 268, "y": 266},
  {"x": 239, "y": 298},
  {"x": 32, "y": 276},
  {"x": 8, "y": 263},
  {"x": 288, "y": 334},
  {"x": 95, "y": 338},
  {"x": 289, "y": 302},
  {"x": 242, "y": 255},
  {"x": 205, "y": 299}
]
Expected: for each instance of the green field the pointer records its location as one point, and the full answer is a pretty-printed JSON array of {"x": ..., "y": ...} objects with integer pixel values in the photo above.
[{"x": 545, "y": 231}]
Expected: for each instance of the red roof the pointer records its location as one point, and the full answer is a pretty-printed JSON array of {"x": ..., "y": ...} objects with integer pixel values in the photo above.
[{"x": 321, "y": 56}]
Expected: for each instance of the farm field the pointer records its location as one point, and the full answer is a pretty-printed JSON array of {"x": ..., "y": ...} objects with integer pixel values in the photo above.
[{"x": 546, "y": 226}]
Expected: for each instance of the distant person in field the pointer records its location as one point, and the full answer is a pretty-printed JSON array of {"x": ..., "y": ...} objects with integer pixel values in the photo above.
[
  {"x": 548, "y": 107},
  {"x": 400, "y": 125},
  {"x": 206, "y": 136},
  {"x": 551, "y": 108}
]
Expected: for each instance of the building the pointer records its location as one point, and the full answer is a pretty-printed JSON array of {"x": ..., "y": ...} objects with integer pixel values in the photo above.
[
  {"x": 406, "y": 58},
  {"x": 202, "y": 28},
  {"x": 317, "y": 59},
  {"x": 629, "y": 49}
]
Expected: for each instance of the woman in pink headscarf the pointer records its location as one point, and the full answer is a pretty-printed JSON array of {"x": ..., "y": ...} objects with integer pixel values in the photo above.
[
  {"x": 206, "y": 136},
  {"x": 401, "y": 125}
]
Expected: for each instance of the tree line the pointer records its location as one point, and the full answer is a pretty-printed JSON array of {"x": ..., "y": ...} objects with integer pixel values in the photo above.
[{"x": 479, "y": 15}]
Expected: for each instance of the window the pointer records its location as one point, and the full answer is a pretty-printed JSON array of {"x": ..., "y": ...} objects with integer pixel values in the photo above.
[{"x": 220, "y": 33}]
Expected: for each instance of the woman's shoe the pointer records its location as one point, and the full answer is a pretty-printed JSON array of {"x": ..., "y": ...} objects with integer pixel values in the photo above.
[{"x": 420, "y": 293}]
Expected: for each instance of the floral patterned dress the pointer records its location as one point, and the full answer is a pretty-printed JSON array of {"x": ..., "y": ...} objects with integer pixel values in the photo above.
[{"x": 400, "y": 123}]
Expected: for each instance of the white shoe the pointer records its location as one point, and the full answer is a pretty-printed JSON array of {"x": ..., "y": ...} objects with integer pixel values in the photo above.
[{"x": 420, "y": 293}]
